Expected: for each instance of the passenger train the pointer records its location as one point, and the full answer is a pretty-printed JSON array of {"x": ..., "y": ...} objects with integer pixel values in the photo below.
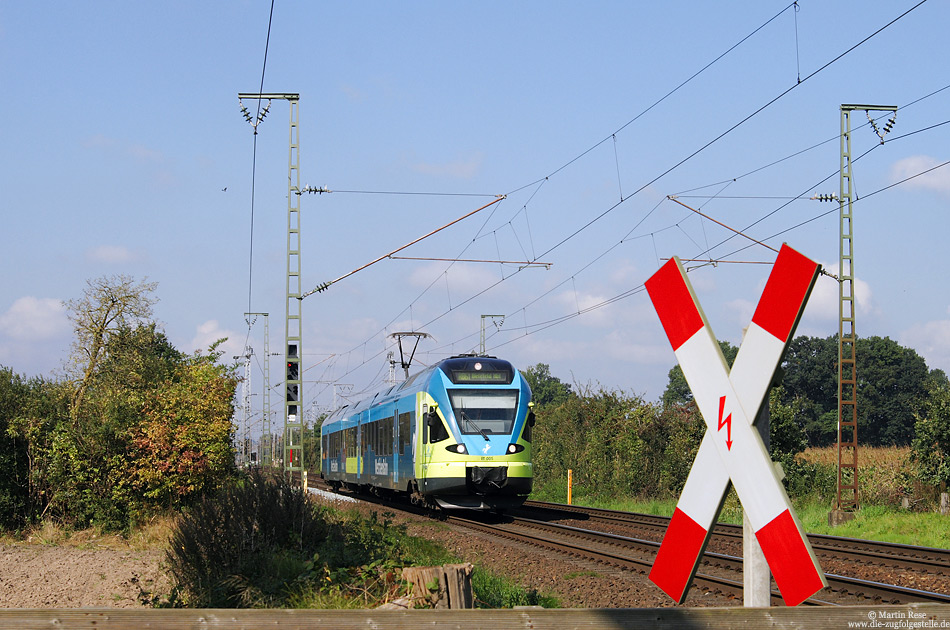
[{"x": 456, "y": 435}]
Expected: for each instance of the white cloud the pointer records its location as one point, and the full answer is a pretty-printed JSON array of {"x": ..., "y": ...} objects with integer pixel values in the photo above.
[
  {"x": 353, "y": 93},
  {"x": 638, "y": 350},
  {"x": 153, "y": 161},
  {"x": 34, "y": 319},
  {"x": 462, "y": 168},
  {"x": 595, "y": 312},
  {"x": 931, "y": 340},
  {"x": 143, "y": 153},
  {"x": 936, "y": 180},
  {"x": 743, "y": 310},
  {"x": 824, "y": 300},
  {"x": 123, "y": 148},
  {"x": 464, "y": 279},
  {"x": 111, "y": 254},
  {"x": 625, "y": 274},
  {"x": 209, "y": 332}
]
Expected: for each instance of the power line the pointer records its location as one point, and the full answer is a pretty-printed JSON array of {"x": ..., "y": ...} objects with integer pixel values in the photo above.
[
  {"x": 258, "y": 118},
  {"x": 398, "y": 192},
  {"x": 326, "y": 285},
  {"x": 733, "y": 127},
  {"x": 538, "y": 183},
  {"x": 661, "y": 99}
]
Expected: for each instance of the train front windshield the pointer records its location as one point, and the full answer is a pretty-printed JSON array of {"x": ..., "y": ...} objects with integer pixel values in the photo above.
[{"x": 484, "y": 411}]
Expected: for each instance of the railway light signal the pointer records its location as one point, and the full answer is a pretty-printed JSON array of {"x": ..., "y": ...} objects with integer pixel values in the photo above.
[{"x": 293, "y": 371}]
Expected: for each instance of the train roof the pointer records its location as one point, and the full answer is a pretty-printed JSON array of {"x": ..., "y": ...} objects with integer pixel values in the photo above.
[{"x": 459, "y": 366}]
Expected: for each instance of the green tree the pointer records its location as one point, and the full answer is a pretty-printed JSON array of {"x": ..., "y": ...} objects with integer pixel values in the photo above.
[
  {"x": 135, "y": 425},
  {"x": 678, "y": 391},
  {"x": 14, "y": 482},
  {"x": 931, "y": 445},
  {"x": 37, "y": 414},
  {"x": 892, "y": 387},
  {"x": 108, "y": 305},
  {"x": 182, "y": 446},
  {"x": 616, "y": 444},
  {"x": 893, "y": 384},
  {"x": 86, "y": 463},
  {"x": 545, "y": 388},
  {"x": 786, "y": 436},
  {"x": 810, "y": 384}
]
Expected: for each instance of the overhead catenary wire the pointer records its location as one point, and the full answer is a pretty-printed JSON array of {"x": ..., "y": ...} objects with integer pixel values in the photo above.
[
  {"x": 539, "y": 183},
  {"x": 250, "y": 263},
  {"x": 721, "y": 224},
  {"x": 537, "y": 327},
  {"x": 324, "y": 286}
]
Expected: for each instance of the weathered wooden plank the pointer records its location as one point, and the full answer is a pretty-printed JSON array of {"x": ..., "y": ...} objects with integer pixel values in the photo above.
[
  {"x": 448, "y": 586},
  {"x": 912, "y": 615}
]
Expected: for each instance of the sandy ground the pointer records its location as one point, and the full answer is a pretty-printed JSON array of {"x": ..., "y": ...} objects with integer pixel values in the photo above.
[
  {"x": 49, "y": 576},
  {"x": 108, "y": 573}
]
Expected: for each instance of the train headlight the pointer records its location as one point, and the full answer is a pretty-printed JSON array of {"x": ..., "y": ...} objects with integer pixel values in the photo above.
[
  {"x": 515, "y": 448},
  {"x": 457, "y": 448}
]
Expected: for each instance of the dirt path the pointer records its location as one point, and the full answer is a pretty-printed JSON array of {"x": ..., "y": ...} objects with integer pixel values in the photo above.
[{"x": 45, "y": 576}]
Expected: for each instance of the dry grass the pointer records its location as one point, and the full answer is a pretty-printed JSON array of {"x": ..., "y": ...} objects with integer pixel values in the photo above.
[
  {"x": 891, "y": 456},
  {"x": 885, "y": 474},
  {"x": 151, "y": 535}
]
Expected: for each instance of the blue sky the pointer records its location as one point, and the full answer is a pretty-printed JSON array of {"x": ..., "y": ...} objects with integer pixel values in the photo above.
[{"x": 122, "y": 128}]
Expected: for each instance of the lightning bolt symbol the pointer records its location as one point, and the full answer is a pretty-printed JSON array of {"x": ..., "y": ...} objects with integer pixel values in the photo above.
[{"x": 725, "y": 423}]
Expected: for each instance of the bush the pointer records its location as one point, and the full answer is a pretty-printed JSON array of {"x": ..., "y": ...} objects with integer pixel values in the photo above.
[
  {"x": 261, "y": 542},
  {"x": 884, "y": 475},
  {"x": 244, "y": 545},
  {"x": 616, "y": 444}
]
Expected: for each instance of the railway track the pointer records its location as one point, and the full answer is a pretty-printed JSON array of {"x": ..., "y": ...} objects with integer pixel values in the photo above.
[
  {"x": 630, "y": 554},
  {"x": 719, "y": 573},
  {"x": 870, "y": 552},
  {"x": 638, "y": 553}
]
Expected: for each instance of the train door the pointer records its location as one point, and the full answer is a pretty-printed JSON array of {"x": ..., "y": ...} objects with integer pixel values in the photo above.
[
  {"x": 393, "y": 446},
  {"x": 426, "y": 443},
  {"x": 360, "y": 440}
]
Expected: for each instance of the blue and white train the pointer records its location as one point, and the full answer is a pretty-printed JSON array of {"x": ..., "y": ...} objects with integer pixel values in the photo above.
[{"x": 456, "y": 435}]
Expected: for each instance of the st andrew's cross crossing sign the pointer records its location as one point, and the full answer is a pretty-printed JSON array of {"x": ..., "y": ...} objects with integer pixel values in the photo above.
[{"x": 731, "y": 450}]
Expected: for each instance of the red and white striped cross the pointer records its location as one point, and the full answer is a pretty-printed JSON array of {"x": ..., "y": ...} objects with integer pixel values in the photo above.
[{"x": 731, "y": 450}]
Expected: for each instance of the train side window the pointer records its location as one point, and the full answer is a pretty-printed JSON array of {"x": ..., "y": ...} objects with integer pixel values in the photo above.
[
  {"x": 404, "y": 436},
  {"x": 351, "y": 442}
]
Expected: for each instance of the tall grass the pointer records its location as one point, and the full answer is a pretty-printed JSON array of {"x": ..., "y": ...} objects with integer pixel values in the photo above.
[
  {"x": 886, "y": 475},
  {"x": 263, "y": 543}
]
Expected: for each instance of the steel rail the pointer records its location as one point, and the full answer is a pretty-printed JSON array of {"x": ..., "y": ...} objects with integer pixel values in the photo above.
[
  {"x": 886, "y": 593},
  {"x": 929, "y": 559}
]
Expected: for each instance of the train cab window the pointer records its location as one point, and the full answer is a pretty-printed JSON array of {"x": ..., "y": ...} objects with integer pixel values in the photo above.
[
  {"x": 484, "y": 411},
  {"x": 436, "y": 428}
]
